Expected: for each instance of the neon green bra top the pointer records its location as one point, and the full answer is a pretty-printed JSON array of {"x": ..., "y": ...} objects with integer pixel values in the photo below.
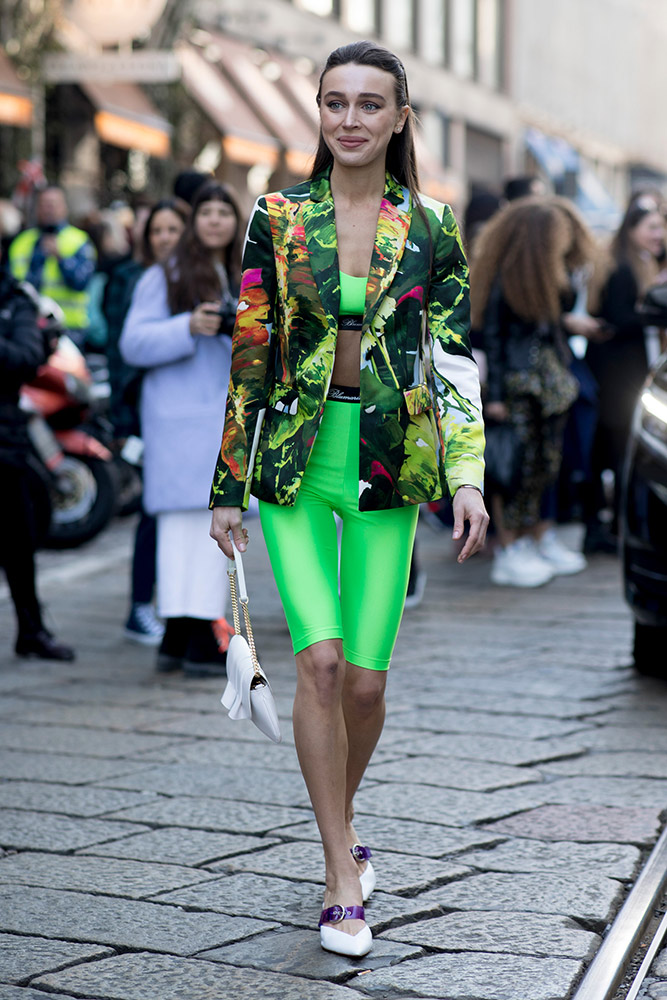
[{"x": 352, "y": 294}]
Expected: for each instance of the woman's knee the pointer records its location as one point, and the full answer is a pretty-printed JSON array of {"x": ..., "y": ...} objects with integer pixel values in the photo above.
[
  {"x": 364, "y": 689},
  {"x": 321, "y": 669}
]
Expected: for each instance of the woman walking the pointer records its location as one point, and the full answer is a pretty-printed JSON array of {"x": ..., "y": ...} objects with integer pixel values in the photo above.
[
  {"x": 521, "y": 282},
  {"x": 352, "y": 341},
  {"x": 179, "y": 329}
]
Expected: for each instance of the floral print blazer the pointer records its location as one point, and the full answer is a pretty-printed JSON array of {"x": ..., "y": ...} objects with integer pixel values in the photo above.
[{"x": 421, "y": 425}]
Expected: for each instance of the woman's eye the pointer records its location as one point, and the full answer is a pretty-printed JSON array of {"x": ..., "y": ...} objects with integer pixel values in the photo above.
[
  {"x": 369, "y": 106},
  {"x": 334, "y": 105}
]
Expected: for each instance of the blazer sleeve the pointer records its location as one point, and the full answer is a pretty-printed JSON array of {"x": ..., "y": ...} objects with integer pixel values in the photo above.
[
  {"x": 151, "y": 335},
  {"x": 250, "y": 378},
  {"x": 454, "y": 370}
]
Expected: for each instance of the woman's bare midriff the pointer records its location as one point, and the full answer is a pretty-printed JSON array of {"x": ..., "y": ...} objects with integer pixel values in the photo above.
[{"x": 346, "y": 362}]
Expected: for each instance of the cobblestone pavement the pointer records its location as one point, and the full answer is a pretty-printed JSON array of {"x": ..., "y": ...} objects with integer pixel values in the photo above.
[{"x": 154, "y": 850}]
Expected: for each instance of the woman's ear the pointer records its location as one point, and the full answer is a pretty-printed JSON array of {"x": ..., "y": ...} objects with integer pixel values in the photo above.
[{"x": 402, "y": 118}]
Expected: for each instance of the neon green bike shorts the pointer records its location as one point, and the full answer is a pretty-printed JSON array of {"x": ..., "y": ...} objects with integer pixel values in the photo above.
[{"x": 365, "y": 608}]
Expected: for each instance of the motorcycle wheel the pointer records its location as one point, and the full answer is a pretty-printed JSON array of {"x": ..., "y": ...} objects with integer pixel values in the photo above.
[{"x": 83, "y": 502}]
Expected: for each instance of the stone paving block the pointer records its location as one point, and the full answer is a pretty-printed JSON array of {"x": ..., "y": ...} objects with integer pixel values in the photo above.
[
  {"x": 659, "y": 967},
  {"x": 108, "y": 876},
  {"x": 305, "y": 862},
  {"x": 176, "y": 846},
  {"x": 476, "y": 976},
  {"x": 216, "y": 814},
  {"x": 496, "y": 749},
  {"x": 521, "y": 855},
  {"x": 649, "y": 739},
  {"x": 22, "y": 993},
  {"x": 25, "y": 830},
  {"x": 544, "y": 682},
  {"x": 214, "y": 724},
  {"x": 299, "y": 953},
  {"x": 297, "y": 903},
  {"x": 63, "y": 768},
  {"x": 585, "y": 897},
  {"x": 519, "y": 726},
  {"x": 81, "y": 742},
  {"x": 240, "y": 784},
  {"x": 450, "y": 807},
  {"x": 648, "y": 715},
  {"x": 120, "y": 923},
  {"x": 454, "y": 772},
  {"x": 405, "y": 836},
  {"x": 603, "y": 791},
  {"x": 101, "y": 716},
  {"x": 21, "y": 958},
  {"x": 512, "y": 933},
  {"x": 222, "y": 752},
  {"x": 590, "y": 824},
  {"x": 72, "y": 801},
  {"x": 147, "y": 977},
  {"x": 518, "y": 704},
  {"x": 631, "y": 764},
  {"x": 657, "y": 991}
]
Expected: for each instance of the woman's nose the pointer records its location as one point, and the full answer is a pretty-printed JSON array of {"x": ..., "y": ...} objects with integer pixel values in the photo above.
[{"x": 351, "y": 118}]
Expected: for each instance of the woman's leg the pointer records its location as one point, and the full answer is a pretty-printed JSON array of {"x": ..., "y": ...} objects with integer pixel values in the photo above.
[
  {"x": 303, "y": 549},
  {"x": 321, "y": 738}
]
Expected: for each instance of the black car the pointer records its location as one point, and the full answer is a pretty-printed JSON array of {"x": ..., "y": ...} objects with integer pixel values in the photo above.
[{"x": 644, "y": 524}]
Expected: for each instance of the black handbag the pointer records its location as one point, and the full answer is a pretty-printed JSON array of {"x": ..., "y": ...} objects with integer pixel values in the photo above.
[
  {"x": 503, "y": 458},
  {"x": 654, "y": 305}
]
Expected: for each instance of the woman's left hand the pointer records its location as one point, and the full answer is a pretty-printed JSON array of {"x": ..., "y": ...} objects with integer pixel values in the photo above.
[{"x": 469, "y": 506}]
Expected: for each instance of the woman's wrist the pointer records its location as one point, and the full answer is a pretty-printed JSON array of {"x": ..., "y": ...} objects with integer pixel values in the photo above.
[{"x": 467, "y": 486}]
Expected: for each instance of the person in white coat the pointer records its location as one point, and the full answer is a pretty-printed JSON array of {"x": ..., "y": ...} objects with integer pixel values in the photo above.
[{"x": 178, "y": 330}]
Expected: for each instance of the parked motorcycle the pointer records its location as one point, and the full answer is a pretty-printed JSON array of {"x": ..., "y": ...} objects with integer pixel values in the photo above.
[{"x": 70, "y": 438}]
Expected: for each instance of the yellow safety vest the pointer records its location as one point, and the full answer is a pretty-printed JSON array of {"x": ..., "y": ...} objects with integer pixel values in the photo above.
[{"x": 70, "y": 239}]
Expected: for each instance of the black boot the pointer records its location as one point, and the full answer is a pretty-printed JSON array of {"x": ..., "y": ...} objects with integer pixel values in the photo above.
[
  {"x": 174, "y": 643},
  {"x": 43, "y": 645},
  {"x": 203, "y": 657}
]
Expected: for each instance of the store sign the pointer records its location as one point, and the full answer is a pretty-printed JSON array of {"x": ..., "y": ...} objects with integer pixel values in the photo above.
[{"x": 150, "y": 66}]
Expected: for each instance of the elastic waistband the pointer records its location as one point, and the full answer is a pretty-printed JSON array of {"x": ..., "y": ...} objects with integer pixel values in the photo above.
[
  {"x": 352, "y": 322},
  {"x": 344, "y": 394}
]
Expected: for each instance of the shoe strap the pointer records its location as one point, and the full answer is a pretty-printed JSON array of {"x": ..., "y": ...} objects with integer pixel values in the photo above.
[
  {"x": 335, "y": 914},
  {"x": 360, "y": 853}
]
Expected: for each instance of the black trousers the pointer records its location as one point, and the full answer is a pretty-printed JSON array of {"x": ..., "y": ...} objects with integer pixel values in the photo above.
[{"x": 18, "y": 542}]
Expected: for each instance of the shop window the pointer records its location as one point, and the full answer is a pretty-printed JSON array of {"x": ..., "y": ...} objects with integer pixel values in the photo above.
[
  {"x": 325, "y": 8},
  {"x": 360, "y": 16},
  {"x": 490, "y": 33},
  {"x": 432, "y": 31},
  {"x": 398, "y": 17},
  {"x": 463, "y": 41}
]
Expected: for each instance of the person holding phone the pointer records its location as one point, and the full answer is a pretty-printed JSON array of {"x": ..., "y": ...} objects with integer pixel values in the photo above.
[{"x": 178, "y": 329}]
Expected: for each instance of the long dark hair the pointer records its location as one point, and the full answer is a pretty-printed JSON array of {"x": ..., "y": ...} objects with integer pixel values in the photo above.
[
  {"x": 191, "y": 274},
  {"x": 401, "y": 158},
  {"x": 164, "y": 205}
]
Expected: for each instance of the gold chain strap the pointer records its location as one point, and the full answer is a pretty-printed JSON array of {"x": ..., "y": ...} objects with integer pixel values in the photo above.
[
  {"x": 246, "y": 618},
  {"x": 235, "y": 601}
]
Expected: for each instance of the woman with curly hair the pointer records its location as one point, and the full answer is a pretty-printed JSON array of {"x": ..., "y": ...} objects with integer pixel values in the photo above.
[{"x": 521, "y": 288}]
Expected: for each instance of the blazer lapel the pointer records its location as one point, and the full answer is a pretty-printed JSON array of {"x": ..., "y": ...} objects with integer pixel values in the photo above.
[
  {"x": 319, "y": 224},
  {"x": 392, "y": 232}
]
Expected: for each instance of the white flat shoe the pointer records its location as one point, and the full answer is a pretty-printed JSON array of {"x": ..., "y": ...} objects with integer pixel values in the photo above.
[
  {"x": 367, "y": 877},
  {"x": 353, "y": 945}
]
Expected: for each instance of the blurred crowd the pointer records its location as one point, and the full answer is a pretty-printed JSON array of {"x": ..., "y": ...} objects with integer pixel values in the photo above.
[{"x": 558, "y": 328}]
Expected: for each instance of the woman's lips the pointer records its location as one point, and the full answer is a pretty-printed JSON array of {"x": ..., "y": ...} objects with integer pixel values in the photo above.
[{"x": 352, "y": 143}]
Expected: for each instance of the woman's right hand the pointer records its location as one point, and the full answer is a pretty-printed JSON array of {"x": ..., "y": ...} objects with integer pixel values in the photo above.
[
  {"x": 496, "y": 411},
  {"x": 205, "y": 319},
  {"x": 224, "y": 520}
]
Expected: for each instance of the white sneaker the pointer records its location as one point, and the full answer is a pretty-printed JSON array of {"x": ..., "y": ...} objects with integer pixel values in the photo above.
[
  {"x": 520, "y": 565},
  {"x": 562, "y": 560}
]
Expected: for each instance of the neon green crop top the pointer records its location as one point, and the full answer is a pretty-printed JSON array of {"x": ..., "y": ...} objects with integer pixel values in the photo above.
[{"x": 352, "y": 294}]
